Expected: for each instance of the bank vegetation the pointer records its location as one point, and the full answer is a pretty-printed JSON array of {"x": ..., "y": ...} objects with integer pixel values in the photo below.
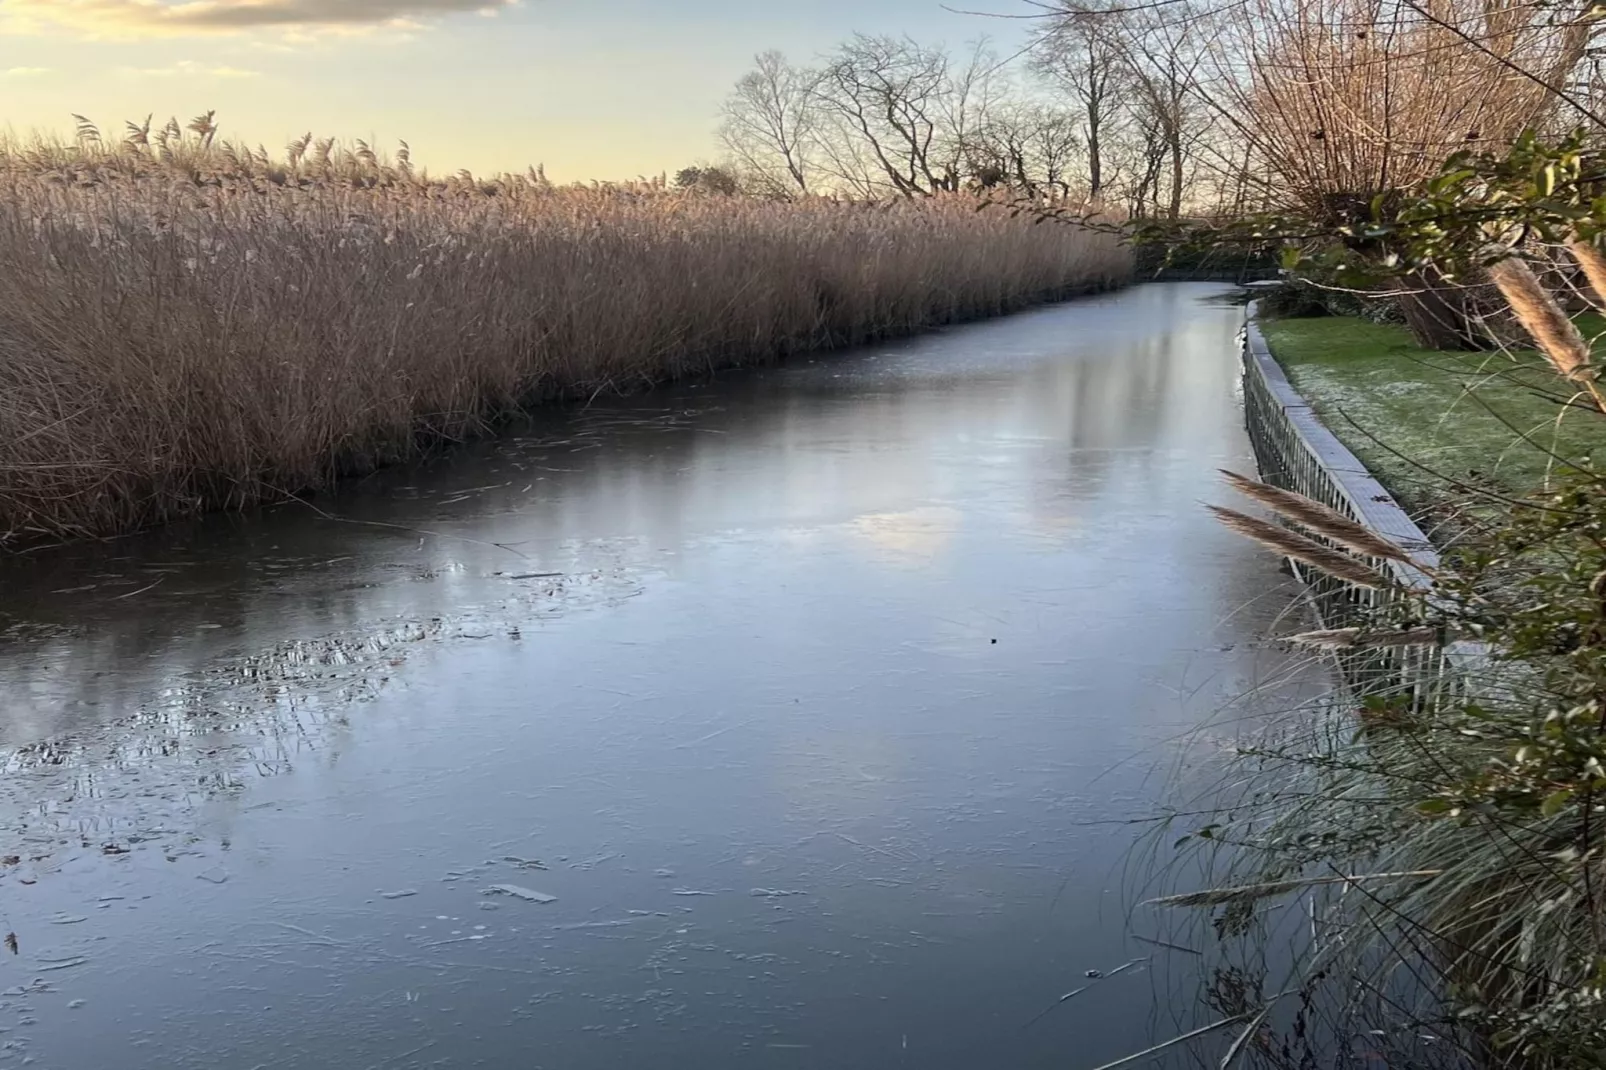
[{"x": 188, "y": 324}]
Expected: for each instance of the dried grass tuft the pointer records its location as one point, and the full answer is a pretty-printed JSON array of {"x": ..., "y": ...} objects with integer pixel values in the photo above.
[
  {"x": 1363, "y": 639},
  {"x": 1249, "y": 893}
]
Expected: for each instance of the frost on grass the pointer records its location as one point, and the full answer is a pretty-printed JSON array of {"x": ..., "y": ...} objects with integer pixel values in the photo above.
[{"x": 1429, "y": 424}]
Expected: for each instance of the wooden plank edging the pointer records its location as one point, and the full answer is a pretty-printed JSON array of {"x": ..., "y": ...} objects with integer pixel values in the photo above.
[
  {"x": 1369, "y": 501},
  {"x": 1432, "y": 677}
]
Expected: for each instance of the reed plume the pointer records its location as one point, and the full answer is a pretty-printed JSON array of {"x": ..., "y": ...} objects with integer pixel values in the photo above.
[
  {"x": 1593, "y": 265},
  {"x": 1301, "y": 548},
  {"x": 1323, "y": 520},
  {"x": 1547, "y": 324}
]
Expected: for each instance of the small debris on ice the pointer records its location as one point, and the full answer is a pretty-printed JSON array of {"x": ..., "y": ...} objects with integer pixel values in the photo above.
[
  {"x": 65, "y": 964},
  {"x": 663, "y": 873},
  {"x": 37, "y": 986},
  {"x": 75, "y": 1004},
  {"x": 518, "y": 891},
  {"x": 215, "y": 875},
  {"x": 594, "y": 861},
  {"x": 401, "y": 894},
  {"x": 524, "y": 863}
]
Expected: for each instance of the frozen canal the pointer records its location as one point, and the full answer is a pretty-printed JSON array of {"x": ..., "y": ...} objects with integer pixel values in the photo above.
[{"x": 816, "y": 697}]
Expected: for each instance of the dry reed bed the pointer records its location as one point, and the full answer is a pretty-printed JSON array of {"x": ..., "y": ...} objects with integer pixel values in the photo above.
[{"x": 169, "y": 346}]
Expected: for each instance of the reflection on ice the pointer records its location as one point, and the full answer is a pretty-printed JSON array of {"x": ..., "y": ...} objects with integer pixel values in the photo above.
[{"x": 791, "y": 716}]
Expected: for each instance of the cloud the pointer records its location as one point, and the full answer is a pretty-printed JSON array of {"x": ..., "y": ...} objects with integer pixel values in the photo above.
[
  {"x": 25, "y": 72},
  {"x": 189, "y": 69},
  {"x": 150, "y": 18}
]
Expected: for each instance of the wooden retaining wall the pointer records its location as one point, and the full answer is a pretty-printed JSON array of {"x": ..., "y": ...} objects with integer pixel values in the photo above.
[{"x": 1296, "y": 451}]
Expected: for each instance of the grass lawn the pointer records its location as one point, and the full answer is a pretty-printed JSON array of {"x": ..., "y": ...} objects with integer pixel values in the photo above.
[{"x": 1423, "y": 420}]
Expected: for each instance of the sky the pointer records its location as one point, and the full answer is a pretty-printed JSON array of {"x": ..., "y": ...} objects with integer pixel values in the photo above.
[{"x": 610, "y": 89}]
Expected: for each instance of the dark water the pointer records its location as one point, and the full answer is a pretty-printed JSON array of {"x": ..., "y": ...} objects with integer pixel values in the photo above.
[{"x": 824, "y": 735}]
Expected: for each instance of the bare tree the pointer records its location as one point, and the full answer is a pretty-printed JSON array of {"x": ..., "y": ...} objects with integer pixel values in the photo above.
[
  {"x": 1140, "y": 156},
  {"x": 707, "y": 178},
  {"x": 883, "y": 115},
  {"x": 1344, "y": 102},
  {"x": 972, "y": 95},
  {"x": 1077, "y": 52},
  {"x": 846, "y": 160},
  {"x": 1055, "y": 144},
  {"x": 887, "y": 93},
  {"x": 1029, "y": 145},
  {"x": 1165, "y": 51},
  {"x": 1346, "y": 99},
  {"x": 771, "y": 123},
  {"x": 1134, "y": 72}
]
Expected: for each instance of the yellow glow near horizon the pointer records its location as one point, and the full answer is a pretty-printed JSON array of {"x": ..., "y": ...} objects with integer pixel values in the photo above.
[{"x": 590, "y": 90}]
